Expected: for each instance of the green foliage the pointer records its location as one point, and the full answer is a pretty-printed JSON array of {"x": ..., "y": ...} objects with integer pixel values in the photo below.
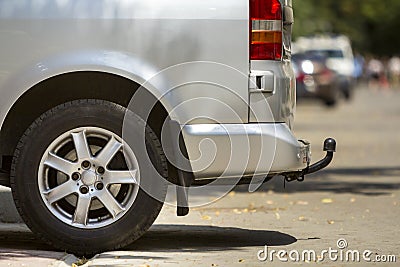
[{"x": 372, "y": 25}]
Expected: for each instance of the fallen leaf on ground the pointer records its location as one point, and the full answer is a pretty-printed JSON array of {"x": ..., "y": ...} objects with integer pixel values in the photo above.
[
  {"x": 241, "y": 260},
  {"x": 237, "y": 211},
  {"x": 327, "y": 200},
  {"x": 302, "y": 218},
  {"x": 300, "y": 202},
  {"x": 80, "y": 262},
  {"x": 277, "y": 216},
  {"x": 206, "y": 217},
  {"x": 331, "y": 222}
]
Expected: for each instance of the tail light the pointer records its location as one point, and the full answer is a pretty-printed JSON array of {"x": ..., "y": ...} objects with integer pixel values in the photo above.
[{"x": 266, "y": 30}]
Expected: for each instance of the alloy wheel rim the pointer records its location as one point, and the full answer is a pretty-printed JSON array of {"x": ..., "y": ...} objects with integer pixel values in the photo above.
[{"x": 78, "y": 180}]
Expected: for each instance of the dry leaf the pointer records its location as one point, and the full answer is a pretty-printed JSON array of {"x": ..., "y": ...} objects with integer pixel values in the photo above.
[
  {"x": 241, "y": 260},
  {"x": 245, "y": 210},
  {"x": 331, "y": 222},
  {"x": 237, "y": 211},
  {"x": 302, "y": 218},
  {"x": 327, "y": 200},
  {"x": 278, "y": 217},
  {"x": 300, "y": 202},
  {"x": 206, "y": 217},
  {"x": 80, "y": 262}
]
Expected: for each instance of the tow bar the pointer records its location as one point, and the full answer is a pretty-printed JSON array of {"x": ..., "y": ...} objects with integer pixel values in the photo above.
[{"x": 330, "y": 148}]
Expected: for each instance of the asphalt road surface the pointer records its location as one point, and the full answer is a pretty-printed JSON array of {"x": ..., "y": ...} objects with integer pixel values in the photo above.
[{"x": 355, "y": 201}]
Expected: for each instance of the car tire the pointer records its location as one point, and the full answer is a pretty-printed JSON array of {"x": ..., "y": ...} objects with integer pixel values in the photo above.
[
  {"x": 74, "y": 204},
  {"x": 330, "y": 103}
]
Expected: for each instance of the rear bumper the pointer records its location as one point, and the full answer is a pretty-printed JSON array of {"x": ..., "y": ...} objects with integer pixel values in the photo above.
[{"x": 231, "y": 150}]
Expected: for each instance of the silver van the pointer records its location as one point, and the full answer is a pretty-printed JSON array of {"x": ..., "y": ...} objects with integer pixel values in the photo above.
[{"x": 107, "y": 104}]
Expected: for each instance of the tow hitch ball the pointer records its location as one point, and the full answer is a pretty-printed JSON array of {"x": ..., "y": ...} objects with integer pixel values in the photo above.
[{"x": 330, "y": 148}]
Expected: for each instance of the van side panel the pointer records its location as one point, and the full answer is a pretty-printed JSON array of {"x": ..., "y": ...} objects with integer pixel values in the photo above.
[{"x": 185, "y": 50}]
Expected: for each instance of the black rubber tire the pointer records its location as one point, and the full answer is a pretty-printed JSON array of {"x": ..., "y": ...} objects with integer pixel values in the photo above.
[
  {"x": 24, "y": 181},
  {"x": 330, "y": 102}
]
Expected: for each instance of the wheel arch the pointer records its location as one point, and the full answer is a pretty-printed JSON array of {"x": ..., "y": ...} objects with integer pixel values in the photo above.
[{"x": 66, "y": 87}]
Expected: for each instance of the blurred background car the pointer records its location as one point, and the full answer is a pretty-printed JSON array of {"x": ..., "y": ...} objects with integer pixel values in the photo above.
[
  {"x": 339, "y": 54},
  {"x": 314, "y": 78}
]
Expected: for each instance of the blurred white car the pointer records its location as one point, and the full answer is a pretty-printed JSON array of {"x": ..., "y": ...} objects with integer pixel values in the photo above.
[{"x": 337, "y": 49}]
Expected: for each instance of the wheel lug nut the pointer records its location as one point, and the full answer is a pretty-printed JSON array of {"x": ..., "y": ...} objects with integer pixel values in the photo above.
[
  {"x": 100, "y": 170},
  {"x": 99, "y": 186},
  {"x": 75, "y": 176},
  {"x": 86, "y": 164},
  {"x": 84, "y": 189}
]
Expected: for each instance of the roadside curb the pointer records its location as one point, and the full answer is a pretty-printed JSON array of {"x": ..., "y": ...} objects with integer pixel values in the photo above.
[{"x": 8, "y": 212}]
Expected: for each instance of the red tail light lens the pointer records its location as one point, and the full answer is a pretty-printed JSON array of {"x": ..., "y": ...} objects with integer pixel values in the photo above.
[
  {"x": 265, "y": 9},
  {"x": 266, "y": 51},
  {"x": 266, "y": 30}
]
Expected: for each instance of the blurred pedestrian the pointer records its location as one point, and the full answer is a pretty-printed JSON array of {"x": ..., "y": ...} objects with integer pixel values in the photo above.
[
  {"x": 394, "y": 71},
  {"x": 358, "y": 66},
  {"x": 376, "y": 74}
]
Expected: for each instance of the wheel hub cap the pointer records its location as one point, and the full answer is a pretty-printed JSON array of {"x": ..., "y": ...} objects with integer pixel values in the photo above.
[{"x": 89, "y": 177}]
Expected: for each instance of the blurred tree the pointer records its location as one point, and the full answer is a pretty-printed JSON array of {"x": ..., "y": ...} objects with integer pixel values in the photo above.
[{"x": 371, "y": 24}]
